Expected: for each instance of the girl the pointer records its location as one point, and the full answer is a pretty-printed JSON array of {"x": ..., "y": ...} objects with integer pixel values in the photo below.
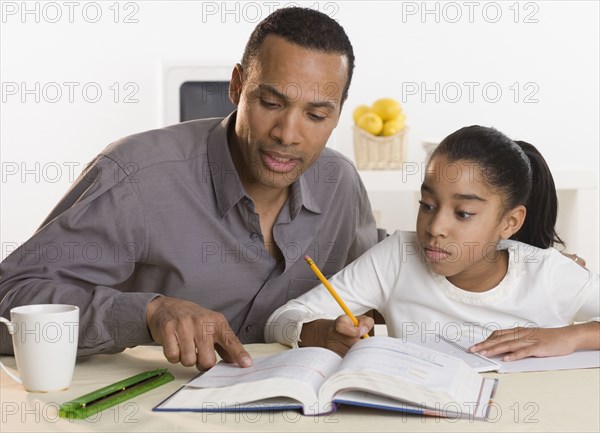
[{"x": 479, "y": 267}]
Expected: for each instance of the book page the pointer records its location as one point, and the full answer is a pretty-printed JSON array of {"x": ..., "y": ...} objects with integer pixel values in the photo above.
[
  {"x": 452, "y": 410},
  {"x": 575, "y": 360},
  {"x": 311, "y": 365},
  {"x": 406, "y": 371},
  {"x": 394, "y": 357},
  {"x": 286, "y": 380},
  {"x": 437, "y": 342}
]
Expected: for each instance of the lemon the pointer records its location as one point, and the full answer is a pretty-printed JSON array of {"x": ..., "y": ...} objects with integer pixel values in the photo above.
[
  {"x": 370, "y": 122},
  {"x": 359, "y": 111},
  {"x": 387, "y": 108},
  {"x": 393, "y": 126}
]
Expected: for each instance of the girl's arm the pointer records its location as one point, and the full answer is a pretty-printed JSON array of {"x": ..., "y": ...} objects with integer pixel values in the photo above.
[
  {"x": 337, "y": 335},
  {"x": 364, "y": 285},
  {"x": 570, "y": 289},
  {"x": 520, "y": 342}
]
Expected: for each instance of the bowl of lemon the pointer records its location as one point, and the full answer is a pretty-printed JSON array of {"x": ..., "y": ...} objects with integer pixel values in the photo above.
[{"x": 379, "y": 131}]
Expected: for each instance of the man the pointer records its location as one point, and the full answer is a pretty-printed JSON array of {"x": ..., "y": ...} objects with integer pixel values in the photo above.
[{"x": 190, "y": 236}]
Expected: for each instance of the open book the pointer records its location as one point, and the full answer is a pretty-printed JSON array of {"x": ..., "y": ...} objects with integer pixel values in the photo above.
[{"x": 378, "y": 372}]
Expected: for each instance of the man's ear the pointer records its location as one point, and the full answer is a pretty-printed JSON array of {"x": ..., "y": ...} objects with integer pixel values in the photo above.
[
  {"x": 235, "y": 85},
  {"x": 512, "y": 221}
]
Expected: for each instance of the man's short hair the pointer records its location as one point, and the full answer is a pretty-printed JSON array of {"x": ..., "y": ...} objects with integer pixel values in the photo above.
[{"x": 307, "y": 28}]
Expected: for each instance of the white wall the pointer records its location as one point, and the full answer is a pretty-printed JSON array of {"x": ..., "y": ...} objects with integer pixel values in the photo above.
[{"x": 403, "y": 49}]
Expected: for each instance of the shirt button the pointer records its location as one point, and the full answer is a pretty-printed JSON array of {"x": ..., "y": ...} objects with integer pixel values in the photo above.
[
  {"x": 248, "y": 328},
  {"x": 254, "y": 236}
]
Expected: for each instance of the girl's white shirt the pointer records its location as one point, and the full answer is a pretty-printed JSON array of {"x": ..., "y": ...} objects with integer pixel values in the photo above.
[{"x": 542, "y": 288}]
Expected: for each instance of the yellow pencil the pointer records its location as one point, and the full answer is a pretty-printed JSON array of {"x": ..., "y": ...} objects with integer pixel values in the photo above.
[{"x": 331, "y": 290}]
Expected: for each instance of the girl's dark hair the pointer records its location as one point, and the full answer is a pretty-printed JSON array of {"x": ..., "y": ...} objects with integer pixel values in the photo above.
[
  {"x": 517, "y": 170},
  {"x": 307, "y": 28}
]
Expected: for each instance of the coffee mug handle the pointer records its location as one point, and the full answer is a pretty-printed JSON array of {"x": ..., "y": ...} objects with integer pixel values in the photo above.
[{"x": 11, "y": 330}]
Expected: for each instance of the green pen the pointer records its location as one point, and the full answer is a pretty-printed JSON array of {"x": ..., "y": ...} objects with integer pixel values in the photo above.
[{"x": 103, "y": 398}]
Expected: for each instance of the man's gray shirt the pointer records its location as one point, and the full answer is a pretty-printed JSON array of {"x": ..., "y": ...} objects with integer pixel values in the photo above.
[{"x": 164, "y": 212}]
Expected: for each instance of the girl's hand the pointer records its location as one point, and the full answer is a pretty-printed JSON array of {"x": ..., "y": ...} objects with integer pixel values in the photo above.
[
  {"x": 519, "y": 343},
  {"x": 337, "y": 335}
]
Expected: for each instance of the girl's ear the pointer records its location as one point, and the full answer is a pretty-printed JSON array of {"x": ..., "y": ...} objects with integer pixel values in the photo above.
[
  {"x": 512, "y": 221},
  {"x": 235, "y": 85}
]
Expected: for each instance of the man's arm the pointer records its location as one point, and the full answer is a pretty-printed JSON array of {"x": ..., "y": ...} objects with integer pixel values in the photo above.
[
  {"x": 85, "y": 254},
  {"x": 190, "y": 334},
  {"x": 366, "y": 234},
  {"x": 579, "y": 260}
]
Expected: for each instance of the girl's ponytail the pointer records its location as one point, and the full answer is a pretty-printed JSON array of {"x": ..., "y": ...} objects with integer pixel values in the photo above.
[
  {"x": 542, "y": 204},
  {"x": 517, "y": 170}
]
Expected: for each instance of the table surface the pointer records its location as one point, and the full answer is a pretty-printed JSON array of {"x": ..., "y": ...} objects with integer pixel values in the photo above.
[{"x": 541, "y": 401}]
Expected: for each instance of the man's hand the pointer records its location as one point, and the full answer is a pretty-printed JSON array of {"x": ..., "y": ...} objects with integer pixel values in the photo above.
[
  {"x": 579, "y": 260},
  {"x": 337, "y": 335},
  {"x": 520, "y": 343},
  {"x": 190, "y": 334}
]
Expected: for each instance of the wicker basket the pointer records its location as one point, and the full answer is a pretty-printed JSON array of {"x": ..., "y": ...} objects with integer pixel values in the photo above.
[{"x": 379, "y": 153}]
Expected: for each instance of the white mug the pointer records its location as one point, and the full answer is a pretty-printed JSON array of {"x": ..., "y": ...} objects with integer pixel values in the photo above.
[{"x": 44, "y": 340}]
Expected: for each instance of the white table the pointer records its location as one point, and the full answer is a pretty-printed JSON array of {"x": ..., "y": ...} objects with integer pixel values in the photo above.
[{"x": 543, "y": 401}]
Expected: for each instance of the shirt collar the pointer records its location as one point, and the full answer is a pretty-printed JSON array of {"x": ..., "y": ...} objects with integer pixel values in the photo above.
[
  {"x": 228, "y": 185},
  {"x": 302, "y": 196}
]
